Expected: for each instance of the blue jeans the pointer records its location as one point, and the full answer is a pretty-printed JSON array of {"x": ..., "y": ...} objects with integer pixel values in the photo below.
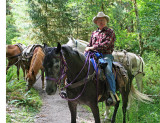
[{"x": 108, "y": 72}]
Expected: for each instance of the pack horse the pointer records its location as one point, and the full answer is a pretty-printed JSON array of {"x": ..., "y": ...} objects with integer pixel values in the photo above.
[
  {"x": 32, "y": 58},
  {"x": 13, "y": 54}
]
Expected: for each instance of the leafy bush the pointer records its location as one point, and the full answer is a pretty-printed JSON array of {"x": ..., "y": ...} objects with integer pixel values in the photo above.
[
  {"x": 26, "y": 103},
  {"x": 16, "y": 93},
  {"x": 152, "y": 73}
]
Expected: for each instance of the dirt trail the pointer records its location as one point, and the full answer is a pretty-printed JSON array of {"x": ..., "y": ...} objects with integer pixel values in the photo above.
[{"x": 55, "y": 109}]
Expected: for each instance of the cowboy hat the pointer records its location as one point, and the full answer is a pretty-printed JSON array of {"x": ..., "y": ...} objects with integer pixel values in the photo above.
[{"x": 99, "y": 15}]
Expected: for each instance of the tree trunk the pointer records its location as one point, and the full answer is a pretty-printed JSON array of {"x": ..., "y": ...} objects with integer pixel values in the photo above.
[{"x": 138, "y": 29}]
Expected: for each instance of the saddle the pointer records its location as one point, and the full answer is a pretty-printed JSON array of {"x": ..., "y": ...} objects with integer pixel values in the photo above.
[
  {"x": 120, "y": 73},
  {"x": 21, "y": 46},
  {"x": 28, "y": 51},
  {"x": 117, "y": 68}
]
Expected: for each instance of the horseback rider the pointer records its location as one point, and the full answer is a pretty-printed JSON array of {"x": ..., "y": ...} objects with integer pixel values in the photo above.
[{"x": 102, "y": 40}]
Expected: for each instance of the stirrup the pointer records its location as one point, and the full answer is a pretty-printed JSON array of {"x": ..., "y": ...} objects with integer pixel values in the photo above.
[
  {"x": 113, "y": 100},
  {"x": 113, "y": 97},
  {"x": 117, "y": 98}
]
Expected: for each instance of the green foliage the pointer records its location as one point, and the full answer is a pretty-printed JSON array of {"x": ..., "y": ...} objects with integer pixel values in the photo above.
[
  {"x": 16, "y": 95},
  {"x": 11, "y": 30},
  {"x": 152, "y": 67},
  {"x": 149, "y": 15},
  {"x": 18, "y": 23},
  {"x": 51, "y": 21},
  {"x": 138, "y": 112},
  {"x": 9, "y": 75},
  {"x": 8, "y": 118},
  {"x": 21, "y": 115}
]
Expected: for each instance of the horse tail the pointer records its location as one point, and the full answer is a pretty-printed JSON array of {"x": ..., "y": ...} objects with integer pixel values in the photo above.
[{"x": 134, "y": 93}]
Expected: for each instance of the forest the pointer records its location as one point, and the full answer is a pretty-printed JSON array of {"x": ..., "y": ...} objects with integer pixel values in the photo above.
[{"x": 136, "y": 24}]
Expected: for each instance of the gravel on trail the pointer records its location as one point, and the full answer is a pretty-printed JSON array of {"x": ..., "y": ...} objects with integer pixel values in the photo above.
[{"x": 56, "y": 110}]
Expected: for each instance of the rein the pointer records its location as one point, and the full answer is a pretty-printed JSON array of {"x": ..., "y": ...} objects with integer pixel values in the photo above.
[{"x": 85, "y": 82}]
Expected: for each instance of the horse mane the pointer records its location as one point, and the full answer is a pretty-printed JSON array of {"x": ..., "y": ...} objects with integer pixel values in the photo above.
[
  {"x": 72, "y": 51},
  {"x": 36, "y": 62}
]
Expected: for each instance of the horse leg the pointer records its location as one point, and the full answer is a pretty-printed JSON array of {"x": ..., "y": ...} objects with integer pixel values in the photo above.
[
  {"x": 125, "y": 94},
  {"x": 42, "y": 78},
  {"x": 95, "y": 111},
  {"x": 18, "y": 67},
  {"x": 73, "y": 110},
  {"x": 115, "y": 112},
  {"x": 124, "y": 108},
  {"x": 24, "y": 72}
]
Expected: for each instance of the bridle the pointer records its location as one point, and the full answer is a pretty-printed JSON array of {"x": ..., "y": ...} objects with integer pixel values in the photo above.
[{"x": 63, "y": 69}]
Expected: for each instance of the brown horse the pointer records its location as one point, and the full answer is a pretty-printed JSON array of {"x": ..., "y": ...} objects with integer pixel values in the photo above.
[
  {"x": 35, "y": 66},
  {"x": 13, "y": 54}
]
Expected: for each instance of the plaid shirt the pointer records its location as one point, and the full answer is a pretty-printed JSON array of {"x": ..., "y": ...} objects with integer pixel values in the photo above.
[{"x": 103, "y": 41}]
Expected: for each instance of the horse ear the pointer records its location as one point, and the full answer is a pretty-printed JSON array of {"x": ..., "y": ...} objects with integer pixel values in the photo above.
[
  {"x": 58, "y": 48},
  {"x": 45, "y": 45}
]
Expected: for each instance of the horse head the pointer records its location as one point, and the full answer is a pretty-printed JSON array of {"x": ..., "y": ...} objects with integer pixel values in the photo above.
[
  {"x": 51, "y": 65},
  {"x": 31, "y": 78}
]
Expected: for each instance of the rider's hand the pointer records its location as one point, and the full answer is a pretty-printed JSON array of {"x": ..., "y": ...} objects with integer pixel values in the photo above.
[{"x": 89, "y": 48}]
